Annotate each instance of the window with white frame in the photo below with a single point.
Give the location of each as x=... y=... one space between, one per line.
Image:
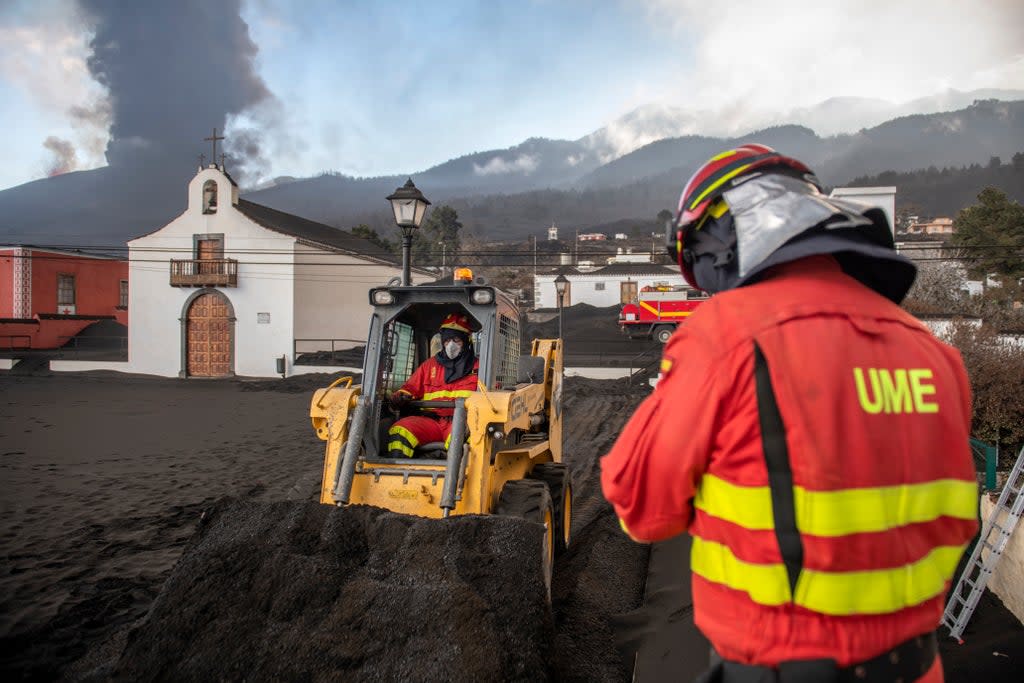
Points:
x=122 y=300
x=598 y=286
x=65 y=290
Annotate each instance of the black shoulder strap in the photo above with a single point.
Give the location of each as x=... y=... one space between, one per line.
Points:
x=780 y=475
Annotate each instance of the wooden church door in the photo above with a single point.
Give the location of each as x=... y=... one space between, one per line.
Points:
x=208 y=334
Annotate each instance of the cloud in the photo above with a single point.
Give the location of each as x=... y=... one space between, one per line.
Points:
x=524 y=163
x=174 y=72
x=44 y=56
x=747 y=60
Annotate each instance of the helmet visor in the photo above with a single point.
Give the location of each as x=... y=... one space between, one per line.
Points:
x=769 y=210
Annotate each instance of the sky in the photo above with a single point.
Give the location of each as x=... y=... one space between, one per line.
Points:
x=379 y=88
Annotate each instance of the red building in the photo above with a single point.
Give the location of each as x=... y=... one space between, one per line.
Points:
x=48 y=296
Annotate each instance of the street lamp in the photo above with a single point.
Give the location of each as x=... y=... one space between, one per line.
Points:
x=561 y=282
x=409 y=205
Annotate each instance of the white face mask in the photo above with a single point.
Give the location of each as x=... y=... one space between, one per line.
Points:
x=452 y=348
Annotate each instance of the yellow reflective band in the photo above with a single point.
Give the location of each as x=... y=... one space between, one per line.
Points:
x=664 y=314
x=718 y=209
x=396 y=445
x=718 y=183
x=879 y=591
x=766 y=584
x=446 y=395
x=666 y=365
x=401 y=447
x=625 y=530
x=843 y=512
x=727 y=153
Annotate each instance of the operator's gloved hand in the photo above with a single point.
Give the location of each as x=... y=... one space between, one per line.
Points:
x=398 y=400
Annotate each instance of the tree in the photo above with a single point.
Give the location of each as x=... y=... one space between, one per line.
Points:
x=936 y=288
x=664 y=216
x=996 y=372
x=365 y=232
x=991 y=236
x=438 y=237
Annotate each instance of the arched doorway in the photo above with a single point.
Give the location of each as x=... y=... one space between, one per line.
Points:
x=209 y=338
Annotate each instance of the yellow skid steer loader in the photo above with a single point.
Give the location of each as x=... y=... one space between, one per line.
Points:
x=505 y=452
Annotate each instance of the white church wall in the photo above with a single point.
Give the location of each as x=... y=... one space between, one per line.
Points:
x=332 y=296
x=264 y=286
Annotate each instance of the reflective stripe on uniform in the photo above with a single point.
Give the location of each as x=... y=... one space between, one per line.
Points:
x=402 y=440
x=843 y=512
x=446 y=395
x=877 y=591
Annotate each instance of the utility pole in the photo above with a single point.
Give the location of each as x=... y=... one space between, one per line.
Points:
x=534 y=255
x=576 y=248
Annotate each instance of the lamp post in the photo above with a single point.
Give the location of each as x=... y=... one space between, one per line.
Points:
x=561 y=282
x=408 y=205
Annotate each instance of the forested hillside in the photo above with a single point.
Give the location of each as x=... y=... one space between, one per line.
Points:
x=935 y=192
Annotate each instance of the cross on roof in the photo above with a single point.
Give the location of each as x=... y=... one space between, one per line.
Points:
x=214 y=138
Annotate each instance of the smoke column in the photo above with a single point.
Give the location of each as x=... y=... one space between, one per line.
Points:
x=174 y=72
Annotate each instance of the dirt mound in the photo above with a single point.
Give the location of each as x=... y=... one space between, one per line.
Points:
x=104 y=332
x=581 y=322
x=297 y=384
x=349 y=357
x=296 y=591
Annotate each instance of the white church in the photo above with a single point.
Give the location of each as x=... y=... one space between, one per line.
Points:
x=231 y=287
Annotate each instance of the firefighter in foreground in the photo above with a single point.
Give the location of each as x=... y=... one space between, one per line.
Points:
x=809 y=434
x=449 y=374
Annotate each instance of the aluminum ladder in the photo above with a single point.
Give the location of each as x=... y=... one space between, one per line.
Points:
x=994 y=537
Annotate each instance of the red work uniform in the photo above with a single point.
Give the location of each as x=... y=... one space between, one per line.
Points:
x=876 y=415
x=427 y=384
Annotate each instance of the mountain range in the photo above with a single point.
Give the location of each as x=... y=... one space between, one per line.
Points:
x=634 y=167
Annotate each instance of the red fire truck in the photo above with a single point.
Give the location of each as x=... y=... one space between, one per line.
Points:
x=658 y=310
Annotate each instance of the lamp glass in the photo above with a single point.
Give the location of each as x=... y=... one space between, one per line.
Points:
x=405 y=211
x=420 y=209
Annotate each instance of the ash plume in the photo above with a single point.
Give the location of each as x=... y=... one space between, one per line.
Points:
x=174 y=72
x=65 y=159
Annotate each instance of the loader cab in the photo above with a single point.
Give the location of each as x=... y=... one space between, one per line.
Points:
x=404 y=333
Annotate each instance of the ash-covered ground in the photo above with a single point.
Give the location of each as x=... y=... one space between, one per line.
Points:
x=122 y=560
x=122 y=498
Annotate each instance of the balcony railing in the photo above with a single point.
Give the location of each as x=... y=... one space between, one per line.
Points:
x=220 y=272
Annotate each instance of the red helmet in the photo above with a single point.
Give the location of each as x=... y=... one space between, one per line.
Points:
x=457 y=322
x=708 y=184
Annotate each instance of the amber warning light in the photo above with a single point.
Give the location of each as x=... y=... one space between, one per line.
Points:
x=463 y=275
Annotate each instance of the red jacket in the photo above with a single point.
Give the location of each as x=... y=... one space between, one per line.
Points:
x=427 y=384
x=876 y=414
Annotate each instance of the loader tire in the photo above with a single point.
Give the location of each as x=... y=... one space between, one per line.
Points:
x=529 y=499
x=664 y=333
x=559 y=483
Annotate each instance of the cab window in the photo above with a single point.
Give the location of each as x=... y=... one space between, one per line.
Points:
x=400 y=355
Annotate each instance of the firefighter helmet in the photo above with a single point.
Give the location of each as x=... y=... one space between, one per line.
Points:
x=751 y=208
x=457 y=322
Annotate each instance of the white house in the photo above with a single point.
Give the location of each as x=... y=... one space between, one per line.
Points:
x=608 y=286
x=229 y=287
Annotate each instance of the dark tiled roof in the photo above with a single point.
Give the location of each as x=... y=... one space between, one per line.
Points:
x=637 y=269
x=311 y=232
x=617 y=269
